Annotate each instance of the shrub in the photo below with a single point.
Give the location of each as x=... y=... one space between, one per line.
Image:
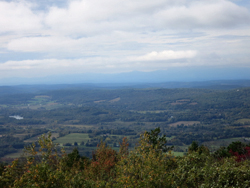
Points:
x=146 y=166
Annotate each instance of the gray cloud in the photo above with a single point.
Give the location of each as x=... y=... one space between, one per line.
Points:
x=121 y=36
x=208 y=14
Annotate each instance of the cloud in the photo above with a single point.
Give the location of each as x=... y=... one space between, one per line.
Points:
x=149 y=62
x=18 y=17
x=41 y=44
x=88 y=18
x=59 y=65
x=85 y=18
x=209 y=14
x=117 y=36
x=166 y=55
x=92 y=17
x=43 y=67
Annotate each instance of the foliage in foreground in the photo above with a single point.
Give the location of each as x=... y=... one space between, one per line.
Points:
x=150 y=164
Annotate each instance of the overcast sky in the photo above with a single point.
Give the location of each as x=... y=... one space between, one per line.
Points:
x=46 y=37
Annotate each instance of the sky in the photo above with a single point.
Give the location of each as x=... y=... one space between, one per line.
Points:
x=44 y=38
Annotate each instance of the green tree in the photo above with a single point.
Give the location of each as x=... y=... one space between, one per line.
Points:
x=157 y=141
x=44 y=169
x=74 y=158
x=237 y=147
x=2 y=166
x=146 y=166
x=193 y=147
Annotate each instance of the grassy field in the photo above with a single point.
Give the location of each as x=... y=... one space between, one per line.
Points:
x=35 y=138
x=15 y=155
x=185 y=123
x=21 y=136
x=215 y=144
x=177 y=154
x=170 y=138
x=121 y=136
x=150 y=111
x=73 y=137
x=115 y=100
x=243 y=121
x=147 y=126
x=78 y=126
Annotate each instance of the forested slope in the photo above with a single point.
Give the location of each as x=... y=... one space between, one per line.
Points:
x=150 y=164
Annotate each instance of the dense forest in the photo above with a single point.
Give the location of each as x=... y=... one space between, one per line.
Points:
x=110 y=136
x=150 y=164
x=212 y=117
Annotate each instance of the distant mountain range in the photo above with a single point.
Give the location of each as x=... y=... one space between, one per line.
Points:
x=219 y=84
x=172 y=75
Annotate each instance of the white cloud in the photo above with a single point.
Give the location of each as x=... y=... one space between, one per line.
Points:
x=44 y=65
x=111 y=36
x=95 y=16
x=91 y=17
x=40 y=44
x=149 y=62
x=18 y=17
x=166 y=55
x=209 y=14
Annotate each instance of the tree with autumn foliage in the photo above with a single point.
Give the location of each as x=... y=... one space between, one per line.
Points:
x=150 y=164
x=49 y=167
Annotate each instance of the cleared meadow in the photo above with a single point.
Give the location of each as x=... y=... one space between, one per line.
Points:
x=35 y=138
x=73 y=137
x=215 y=144
x=244 y=121
x=185 y=123
x=15 y=155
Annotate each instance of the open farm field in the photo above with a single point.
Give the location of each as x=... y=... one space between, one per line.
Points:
x=115 y=100
x=73 y=137
x=56 y=135
x=15 y=155
x=133 y=124
x=37 y=106
x=215 y=144
x=177 y=154
x=243 y=121
x=48 y=106
x=116 y=136
x=92 y=115
x=35 y=138
x=120 y=136
x=185 y=123
x=170 y=138
x=78 y=126
x=151 y=111
x=21 y=136
x=42 y=97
